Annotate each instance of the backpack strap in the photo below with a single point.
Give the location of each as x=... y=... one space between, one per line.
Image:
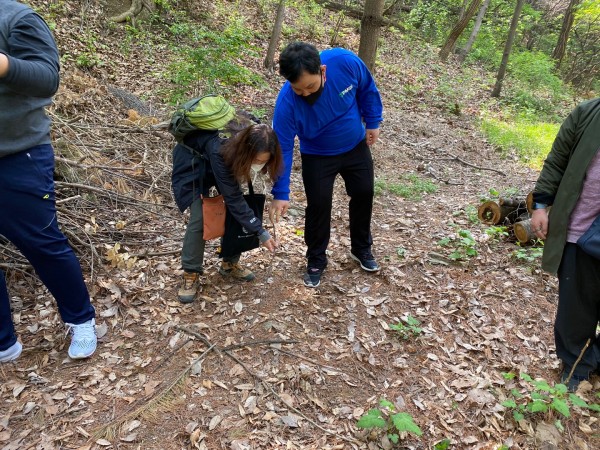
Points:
x=205 y=135
x=193 y=151
x=201 y=153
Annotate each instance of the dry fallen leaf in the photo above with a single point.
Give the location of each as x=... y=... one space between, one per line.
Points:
x=131 y=437
x=18 y=389
x=214 y=422
x=5 y=435
x=290 y=421
x=130 y=426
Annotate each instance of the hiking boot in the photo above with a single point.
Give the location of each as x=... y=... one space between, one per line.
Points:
x=312 y=277
x=235 y=270
x=574 y=381
x=83 y=339
x=367 y=261
x=11 y=353
x=189 y=287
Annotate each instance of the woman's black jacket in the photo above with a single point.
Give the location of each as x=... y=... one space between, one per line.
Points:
x=197 y=166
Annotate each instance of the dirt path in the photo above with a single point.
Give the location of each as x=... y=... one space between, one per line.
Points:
x=478 y=319
x=292 y=367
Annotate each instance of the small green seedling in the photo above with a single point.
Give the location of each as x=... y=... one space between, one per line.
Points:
x=407 y=328
x=463 y=245
x=444 y=444
x=389 y=420
x=543 y=399
x=497 y=232
x=529 y=254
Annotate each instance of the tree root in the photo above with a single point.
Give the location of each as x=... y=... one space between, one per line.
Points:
x=134 y=11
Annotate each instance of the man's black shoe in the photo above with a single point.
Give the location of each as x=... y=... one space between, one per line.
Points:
x=312 y=277
x=367 y=262
x=574 y=381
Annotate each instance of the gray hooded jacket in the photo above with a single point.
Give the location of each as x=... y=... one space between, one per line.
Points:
x=31 y=81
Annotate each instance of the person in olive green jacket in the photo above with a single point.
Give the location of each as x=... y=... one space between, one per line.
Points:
x=570 y=183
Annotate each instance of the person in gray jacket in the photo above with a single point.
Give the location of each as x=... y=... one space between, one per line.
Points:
x=29 y=77
x=570 y=183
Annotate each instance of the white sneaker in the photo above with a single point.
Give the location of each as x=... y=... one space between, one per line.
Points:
x=84 y=339
x=11 y=353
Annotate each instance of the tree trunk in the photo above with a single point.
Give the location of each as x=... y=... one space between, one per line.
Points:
x=529 y=202
x=506 y=211
x=130 y=14
x=358 y=13
x=370 y=27
x=516 y=202
x=476 y=27
x=508 y=48
x=135 y=9
x=269 y=59
x=461 y=15
x=524 y=232
x=561 y=46
x=463 y=10
x=491 y=213
x=458 y=29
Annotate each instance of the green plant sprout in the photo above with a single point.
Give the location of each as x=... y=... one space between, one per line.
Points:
x=494 y=194
x=497 y=232
x=463 y=245
x=471 y=213
x=407 y=328
x=529 y=254
x=444 y=444
x=543 y=399
x=386 y=418
x=410 y=186
x=90 y=58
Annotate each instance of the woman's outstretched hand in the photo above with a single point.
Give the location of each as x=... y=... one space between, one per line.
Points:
x=271 y=245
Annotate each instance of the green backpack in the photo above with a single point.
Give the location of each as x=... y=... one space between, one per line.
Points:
x=209 y=112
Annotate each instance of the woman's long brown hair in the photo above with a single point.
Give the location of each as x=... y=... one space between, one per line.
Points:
x=240 y=151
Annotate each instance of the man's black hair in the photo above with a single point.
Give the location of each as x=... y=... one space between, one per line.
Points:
x=297 y=58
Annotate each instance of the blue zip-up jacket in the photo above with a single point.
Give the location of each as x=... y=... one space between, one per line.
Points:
x=334 y=123
x=31 y=81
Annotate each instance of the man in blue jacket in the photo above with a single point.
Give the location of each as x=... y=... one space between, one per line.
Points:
x=330 y=102
x=29 y=66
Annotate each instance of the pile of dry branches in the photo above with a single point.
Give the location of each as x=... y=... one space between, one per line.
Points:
x=112 y=177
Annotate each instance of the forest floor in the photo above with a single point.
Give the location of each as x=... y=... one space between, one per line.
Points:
x=273 y=364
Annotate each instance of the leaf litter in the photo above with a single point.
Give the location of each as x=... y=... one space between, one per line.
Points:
x=272 y=364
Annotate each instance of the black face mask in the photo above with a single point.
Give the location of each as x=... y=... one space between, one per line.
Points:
x=312 y=98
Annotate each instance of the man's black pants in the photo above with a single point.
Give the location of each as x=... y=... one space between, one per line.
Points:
x=318 y=175
x=578 y=310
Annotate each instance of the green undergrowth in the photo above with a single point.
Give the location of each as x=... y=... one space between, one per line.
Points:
x=410 y=186
x=211 y=59
x=206 y=55
x=536 y=399
x=530 y=141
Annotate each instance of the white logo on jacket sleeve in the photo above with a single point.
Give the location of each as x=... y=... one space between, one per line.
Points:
x=345 y=91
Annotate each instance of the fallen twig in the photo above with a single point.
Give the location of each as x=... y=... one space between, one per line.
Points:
x=156 y=401
x=578 y=359
x=474 y=166
x=265 y=383
x=285 y=352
